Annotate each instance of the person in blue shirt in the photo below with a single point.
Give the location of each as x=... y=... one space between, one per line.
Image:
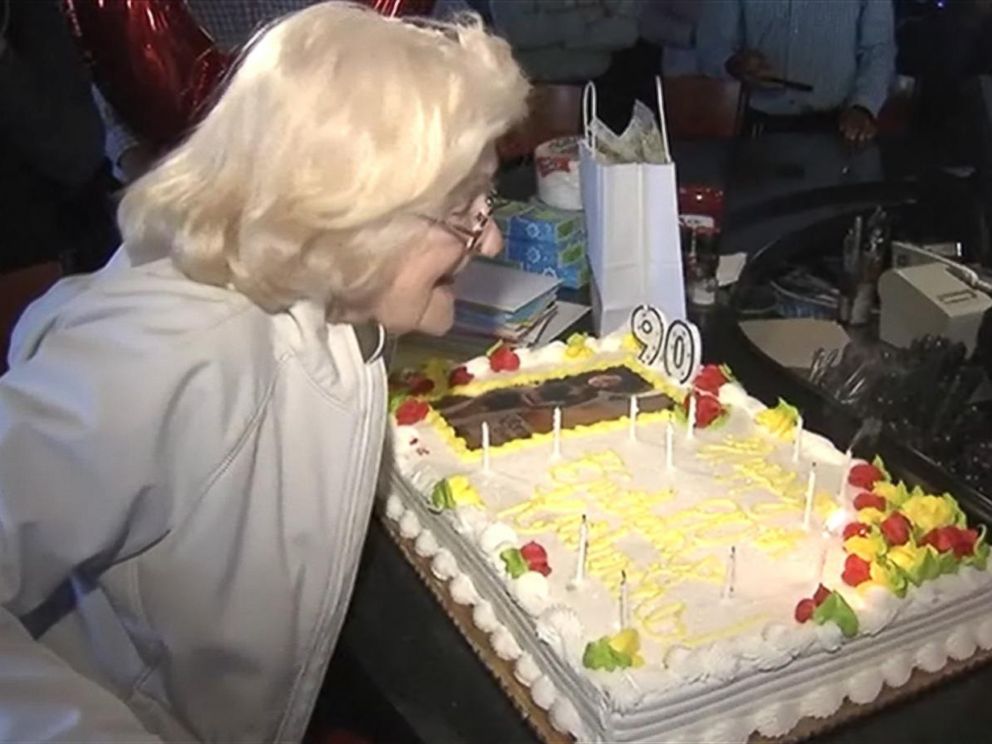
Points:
x=844 y=49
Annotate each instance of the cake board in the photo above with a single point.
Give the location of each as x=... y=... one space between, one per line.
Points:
x=537 y=719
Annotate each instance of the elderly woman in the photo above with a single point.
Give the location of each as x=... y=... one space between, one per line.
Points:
x=189 y=440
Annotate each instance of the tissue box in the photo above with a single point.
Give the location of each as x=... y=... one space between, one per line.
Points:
x=538 y=223
x=565 y=261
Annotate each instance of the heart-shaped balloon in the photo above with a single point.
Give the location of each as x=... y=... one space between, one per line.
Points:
x=156 y=64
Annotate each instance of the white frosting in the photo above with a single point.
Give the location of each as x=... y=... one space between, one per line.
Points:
x=444 y=565
x=546 y=626
x=394 y=507
x=543 y=692
x=566 y=719
x=865 y=685
x=505 y=645
x=426 y=545
x=559 y=627
x=497 y=537
x=463 y=590
x=532 y=592
x=526 y=670
x=484 y=617
x=409 y=525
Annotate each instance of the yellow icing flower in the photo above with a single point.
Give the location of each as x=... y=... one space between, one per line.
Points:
x=888 y=576
x=630 y=343
x=895 y=493
x=779 y=421
x=918 y=563
x=463 y=492
x=871 y=515
x=437 y=370
x=866 y=548
x=576 y=347
x=628 y=642
x=929 y=512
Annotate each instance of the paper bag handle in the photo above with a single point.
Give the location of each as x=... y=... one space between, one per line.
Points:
x=589 y=114
x=661 y=118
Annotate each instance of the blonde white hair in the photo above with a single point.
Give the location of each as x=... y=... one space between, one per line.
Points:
x=338 y=126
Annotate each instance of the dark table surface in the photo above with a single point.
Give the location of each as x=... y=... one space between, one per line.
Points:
x=406 y=649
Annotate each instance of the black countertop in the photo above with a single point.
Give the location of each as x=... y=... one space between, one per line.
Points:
x=410 y=653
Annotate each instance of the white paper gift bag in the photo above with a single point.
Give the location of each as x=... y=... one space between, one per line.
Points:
x=630 y=201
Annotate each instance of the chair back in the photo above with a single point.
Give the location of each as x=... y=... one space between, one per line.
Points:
x=18 y=289
x=698 y=107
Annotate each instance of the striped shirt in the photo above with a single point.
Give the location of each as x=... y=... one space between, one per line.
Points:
x=845 y=49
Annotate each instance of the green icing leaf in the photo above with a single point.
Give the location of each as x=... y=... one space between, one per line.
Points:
x=514 y=561
x=789 y=410
x=396 y=398
x=728 y=372
x=600 y=655
x=948 y=563
x=441 y=496
x=892 y=577
x=835 y=609
x=960 y=520
x=930 y=567
x=880 y=464
x=980 y=557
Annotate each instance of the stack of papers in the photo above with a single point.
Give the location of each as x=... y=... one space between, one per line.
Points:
x=503 y=302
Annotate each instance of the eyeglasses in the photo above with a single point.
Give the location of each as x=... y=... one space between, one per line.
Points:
x=480 y=221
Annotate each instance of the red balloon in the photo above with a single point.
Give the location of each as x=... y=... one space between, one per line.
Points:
x=157 y=66
x=153 y=62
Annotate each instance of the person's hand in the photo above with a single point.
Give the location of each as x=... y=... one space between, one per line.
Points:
x=857 y=125
x=750 y=66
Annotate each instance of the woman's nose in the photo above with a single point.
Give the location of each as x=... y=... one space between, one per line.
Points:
x=492 y=241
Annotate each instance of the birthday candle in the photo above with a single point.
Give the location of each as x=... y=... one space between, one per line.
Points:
x=798 y=441
x=485 y=447
x=633 y=417
x=730 y=577
x=624 y=619
x=556 y=436
x=669 y=453
x=810 y=490
x=692 y=417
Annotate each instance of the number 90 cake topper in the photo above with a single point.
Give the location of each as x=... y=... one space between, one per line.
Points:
x=677 y=344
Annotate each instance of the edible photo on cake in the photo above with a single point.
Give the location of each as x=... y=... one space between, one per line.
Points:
x=518 y=412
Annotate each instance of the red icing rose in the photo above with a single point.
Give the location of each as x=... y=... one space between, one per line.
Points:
x=896 y=529
x=708 y=409
x=411 y=411
x=868 y=500
x=710 y=379
x=944 y=539
x=821 y=595
x=804 y=610
x=864 y=476
x=536 y=558
x=460 y=376
x=418 y=384
x=856 y=570
x=855 y=529
x=504 y=359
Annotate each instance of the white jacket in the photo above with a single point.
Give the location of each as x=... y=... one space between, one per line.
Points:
x=185 y=486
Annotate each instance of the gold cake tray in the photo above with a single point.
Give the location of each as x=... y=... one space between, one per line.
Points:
x=537 y=718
